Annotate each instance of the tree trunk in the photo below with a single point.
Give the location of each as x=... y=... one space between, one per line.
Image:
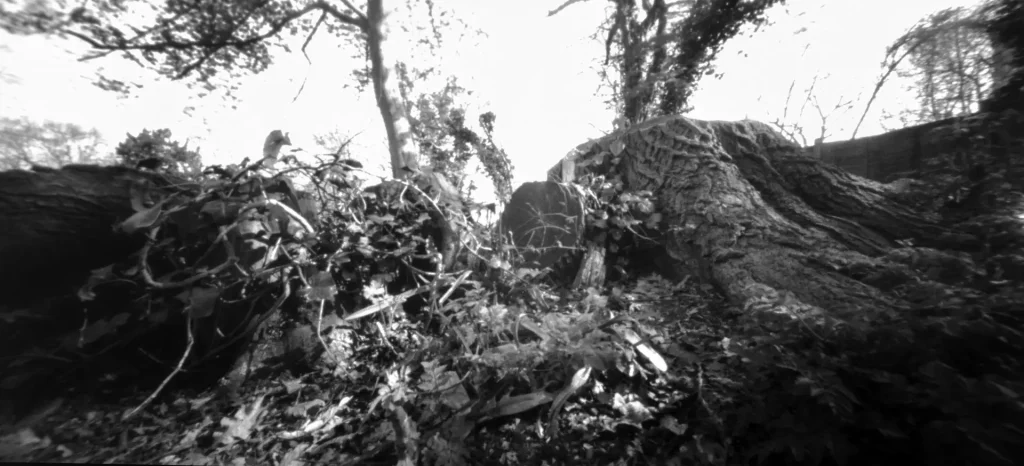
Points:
x=401 y=143
x=60 y=224
x=747 y=212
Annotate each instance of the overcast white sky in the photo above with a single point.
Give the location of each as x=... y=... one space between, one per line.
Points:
x=536 y=73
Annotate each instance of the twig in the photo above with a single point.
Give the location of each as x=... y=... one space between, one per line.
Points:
x=356 y=11
x=562 y=7
x=177 y=369
x=309 y=62
x=288 y=210
x=147 y=275
x=319 y=336
x=391 y=301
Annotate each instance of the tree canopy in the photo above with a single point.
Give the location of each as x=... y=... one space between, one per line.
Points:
x=951 y=63
x=659 y=50
x=24 y=143
x=156 y=150
x=202 y=41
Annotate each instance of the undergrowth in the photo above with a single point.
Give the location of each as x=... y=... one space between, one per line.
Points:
x=368 y=349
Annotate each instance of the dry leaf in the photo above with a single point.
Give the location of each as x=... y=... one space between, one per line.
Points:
x=241 y=426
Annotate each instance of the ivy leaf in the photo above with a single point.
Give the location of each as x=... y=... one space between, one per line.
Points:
x=102 y=328
x=221 y=212
x=138 y=192
x=616 y=146
x=201 y=301
x=322 y=287
x=142 y=219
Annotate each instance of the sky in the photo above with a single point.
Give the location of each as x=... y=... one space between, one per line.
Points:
x=536 y=73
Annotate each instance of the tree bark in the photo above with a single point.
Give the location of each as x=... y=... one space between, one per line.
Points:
x=60 y=224
x=747 y=212
x=401 y=143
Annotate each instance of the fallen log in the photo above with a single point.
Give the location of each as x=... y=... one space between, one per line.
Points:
x=60 y=224
x=109 y=269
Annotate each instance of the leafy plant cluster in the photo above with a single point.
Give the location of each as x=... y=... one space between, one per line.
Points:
x=445 y=139
x=661 y=49
x=488 y=352
x=977 y=164
x=210 y=263
x=986 y=140
x=626 y=222
x=155 y=150
x=387 y=239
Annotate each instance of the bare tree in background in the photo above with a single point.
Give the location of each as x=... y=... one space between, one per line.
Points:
x=792 y=126
x=952 y=70
x=950 y=58
x=337 y=142
x=24 y=143
x=210 y=42
x=656 y=51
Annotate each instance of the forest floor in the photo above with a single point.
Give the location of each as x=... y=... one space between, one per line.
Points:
x=732 y=389
x=309 y=416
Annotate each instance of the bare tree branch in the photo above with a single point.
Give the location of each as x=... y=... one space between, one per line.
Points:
x=878 y=86
x=212 y=46
x=309 y=62
x=356 y=11
x=563 y=6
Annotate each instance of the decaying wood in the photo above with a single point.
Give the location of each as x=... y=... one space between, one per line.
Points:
x=746 y=211
x=62 y=224
x=592 y=269
x=59 y=224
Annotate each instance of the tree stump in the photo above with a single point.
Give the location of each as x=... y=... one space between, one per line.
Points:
x=544 y=220
x=745 y=210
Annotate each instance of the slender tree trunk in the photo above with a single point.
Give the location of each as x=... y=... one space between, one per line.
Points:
x=401 y=142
